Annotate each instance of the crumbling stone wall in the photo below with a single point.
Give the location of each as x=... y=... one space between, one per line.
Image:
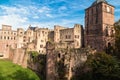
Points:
x=20 y=57
x=50 y=61
x=73 y=58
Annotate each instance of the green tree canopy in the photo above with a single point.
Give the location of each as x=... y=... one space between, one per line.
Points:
x=104 y=67
x=117 y=38
x=100 y=66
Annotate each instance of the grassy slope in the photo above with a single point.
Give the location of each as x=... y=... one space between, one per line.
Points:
x=10 y=71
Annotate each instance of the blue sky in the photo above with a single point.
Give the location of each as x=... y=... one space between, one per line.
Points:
x=46 y=13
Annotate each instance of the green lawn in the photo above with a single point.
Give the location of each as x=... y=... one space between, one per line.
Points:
x=10 y=71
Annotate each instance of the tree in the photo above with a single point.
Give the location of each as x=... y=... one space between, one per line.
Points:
x=104 y=67
x=39 y=61
x=100 y=66
x=61 y=69
x=117 y=39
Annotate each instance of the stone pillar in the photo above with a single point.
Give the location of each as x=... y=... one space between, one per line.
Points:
x=50 y=62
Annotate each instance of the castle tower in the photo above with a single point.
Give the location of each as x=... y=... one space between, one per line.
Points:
x=20 y=35
x=42 y=38
x=99 y=20
x=57 y=29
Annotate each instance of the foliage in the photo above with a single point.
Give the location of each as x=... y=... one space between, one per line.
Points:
x=42 y=66
x=100 y=66
x=10 y=71
x=61 y=70
x=38 y=61
x=33 y=55
x=117 y=39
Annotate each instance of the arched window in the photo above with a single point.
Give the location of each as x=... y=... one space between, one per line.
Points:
x=109 y=44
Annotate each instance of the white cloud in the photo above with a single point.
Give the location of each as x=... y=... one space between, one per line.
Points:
x=36 y=17
x=62 y=8
x=117 y=10
x=114 y=2
x=44 y=9
x=14 y=10
x=18 y=16
x=49 y=15
x=14 y=16
x=21 y=15
x=14 y=20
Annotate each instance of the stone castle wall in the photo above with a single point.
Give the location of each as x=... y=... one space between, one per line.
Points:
x=73 y=58
x=20 y=57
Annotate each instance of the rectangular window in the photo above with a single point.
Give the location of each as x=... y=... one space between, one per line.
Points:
x=8 y=37
x=69 y=37
x=42 y=32
x=41 y=46
x=14 y=38
x=14 y=33
x=66 y=36
x=4 y=37
x=42 y=40
x=23 y=40
x=76 y=36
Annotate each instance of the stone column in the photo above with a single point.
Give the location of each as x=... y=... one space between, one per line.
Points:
x=50 y=62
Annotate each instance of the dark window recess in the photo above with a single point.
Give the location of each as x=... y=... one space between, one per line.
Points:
x=7 y=45
x=24 y=37
x=68 y=36
x=106 y=31
x=96 y=14
x=41 y=46
x=59 y=55
x=8 y=38
x=76 y=36
x=23 y=40
x=43 y=32
x=4 y=37
x=1 y=55
x=42 y=40
x=14 y=38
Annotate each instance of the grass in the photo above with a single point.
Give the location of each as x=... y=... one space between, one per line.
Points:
x=10 y=71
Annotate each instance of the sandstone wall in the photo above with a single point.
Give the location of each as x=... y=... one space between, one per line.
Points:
x=20 y=57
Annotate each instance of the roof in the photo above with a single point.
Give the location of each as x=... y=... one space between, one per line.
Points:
x=32 y=28
x=99 y=1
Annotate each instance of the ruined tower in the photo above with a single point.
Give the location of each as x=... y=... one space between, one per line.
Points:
x=99 y=20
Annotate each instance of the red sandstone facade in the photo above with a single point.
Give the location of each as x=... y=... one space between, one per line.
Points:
x=7 y=40
x=99 y=20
